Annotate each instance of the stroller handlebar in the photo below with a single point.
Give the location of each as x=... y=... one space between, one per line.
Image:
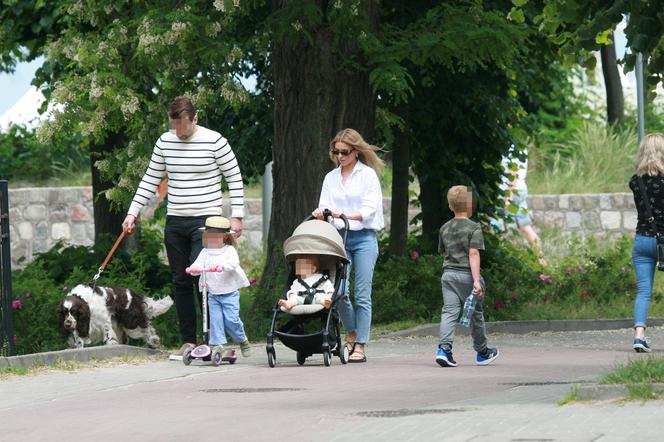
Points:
x=327 y=214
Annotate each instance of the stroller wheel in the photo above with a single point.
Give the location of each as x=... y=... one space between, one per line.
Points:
x=327 y=356
x=271 y=358
x=301 y=358
x=343 y=354
x=186 y=356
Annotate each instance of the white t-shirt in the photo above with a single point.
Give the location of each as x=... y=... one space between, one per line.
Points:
x=360 y=193
x=518 y=176
x=231 y=278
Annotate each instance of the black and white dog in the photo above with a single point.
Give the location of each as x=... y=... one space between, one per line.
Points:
x=109 y=315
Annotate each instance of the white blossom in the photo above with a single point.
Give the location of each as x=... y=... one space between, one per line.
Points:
x=214 y=29
x=219 y=5
x=129 y=105
x=297 y=25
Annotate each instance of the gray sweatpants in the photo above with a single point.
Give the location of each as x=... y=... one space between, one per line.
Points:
x=457 y=286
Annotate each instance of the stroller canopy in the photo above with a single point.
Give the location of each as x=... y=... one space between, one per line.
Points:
x=315 y=237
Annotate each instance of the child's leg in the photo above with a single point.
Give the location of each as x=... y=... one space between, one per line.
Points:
x=231 y=311
x=454 y=284
x=478 y=332
x=217 y=335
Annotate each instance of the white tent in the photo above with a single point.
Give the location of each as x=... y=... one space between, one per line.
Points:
x=25 y=112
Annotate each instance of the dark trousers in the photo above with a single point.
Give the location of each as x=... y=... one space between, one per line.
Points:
x=184 y=242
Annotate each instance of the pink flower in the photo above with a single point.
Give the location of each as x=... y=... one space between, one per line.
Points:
x=545 y=278
x=584 y=293
x=579 y=269
x=27 y=294
x=65 y=289
x=14 y=339
x=253 y=281
x=569 y=270
x=499 y=304
x=545 y=298
x=414 y=254
x=17 y=304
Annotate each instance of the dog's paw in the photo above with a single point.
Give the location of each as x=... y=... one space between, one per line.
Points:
x=154 y=342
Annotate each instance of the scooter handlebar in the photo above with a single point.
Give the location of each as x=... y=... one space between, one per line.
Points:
x=190 y=271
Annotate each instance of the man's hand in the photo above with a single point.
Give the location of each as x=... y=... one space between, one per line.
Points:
x=236 y=226
x=128 y=224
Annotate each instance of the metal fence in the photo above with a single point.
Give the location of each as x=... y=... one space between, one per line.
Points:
x=7 y=346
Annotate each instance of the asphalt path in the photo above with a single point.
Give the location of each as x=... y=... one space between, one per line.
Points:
x=399 y=394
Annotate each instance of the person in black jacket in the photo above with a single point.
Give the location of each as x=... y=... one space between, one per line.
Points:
x=650 y=168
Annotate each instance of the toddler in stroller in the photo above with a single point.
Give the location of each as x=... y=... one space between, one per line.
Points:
x=319 y=243
x=310 y=287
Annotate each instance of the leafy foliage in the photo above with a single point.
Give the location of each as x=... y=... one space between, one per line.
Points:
x=24 y=157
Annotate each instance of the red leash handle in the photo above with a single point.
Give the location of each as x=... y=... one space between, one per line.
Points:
x=109 y=256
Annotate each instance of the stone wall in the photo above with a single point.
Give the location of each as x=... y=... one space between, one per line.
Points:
x=41 y=216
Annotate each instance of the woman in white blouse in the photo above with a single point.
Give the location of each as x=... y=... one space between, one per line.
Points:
x=353 y=189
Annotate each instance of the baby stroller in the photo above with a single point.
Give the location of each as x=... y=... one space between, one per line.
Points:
x=320 y=238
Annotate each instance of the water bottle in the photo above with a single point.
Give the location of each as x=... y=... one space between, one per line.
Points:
x=468 y=309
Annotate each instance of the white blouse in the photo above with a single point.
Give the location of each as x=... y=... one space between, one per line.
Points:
x=231 y=278
x=360 y=193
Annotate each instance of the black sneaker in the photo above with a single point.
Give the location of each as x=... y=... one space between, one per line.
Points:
x=444 y=358
x=641 y=346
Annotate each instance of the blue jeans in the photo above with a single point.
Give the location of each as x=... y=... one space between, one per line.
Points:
x=644 y=259
x=362 y=251
x=225 y=318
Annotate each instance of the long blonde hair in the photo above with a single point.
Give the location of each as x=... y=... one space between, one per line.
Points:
x=650 y=158
x=365 y=151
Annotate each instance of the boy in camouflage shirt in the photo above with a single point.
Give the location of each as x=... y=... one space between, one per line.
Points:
x=460 y=241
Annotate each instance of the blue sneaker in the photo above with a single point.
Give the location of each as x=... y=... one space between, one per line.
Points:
x=444 y=358
x=488 y=356
x=641 y=346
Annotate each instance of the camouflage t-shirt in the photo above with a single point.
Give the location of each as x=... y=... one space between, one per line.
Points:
x=456 y=238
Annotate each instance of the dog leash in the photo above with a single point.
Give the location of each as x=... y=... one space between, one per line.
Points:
x=108 y=258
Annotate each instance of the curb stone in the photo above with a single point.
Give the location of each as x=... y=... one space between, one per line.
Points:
x=76 y=354
x=523 y=327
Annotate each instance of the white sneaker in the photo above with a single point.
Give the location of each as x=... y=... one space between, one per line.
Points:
x=177 y=356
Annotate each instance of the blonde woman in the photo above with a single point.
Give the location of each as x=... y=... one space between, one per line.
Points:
x=353 y=189
x=650 y=169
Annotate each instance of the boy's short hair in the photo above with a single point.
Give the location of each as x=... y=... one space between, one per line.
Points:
x=460 y=198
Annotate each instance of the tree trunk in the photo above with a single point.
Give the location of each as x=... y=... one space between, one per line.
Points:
x=108 y=222
x=400 y=181
x=313 y=100
x=615 y=105
x=433 y=210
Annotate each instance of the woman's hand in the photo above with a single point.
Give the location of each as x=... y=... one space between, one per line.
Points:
x=336 y=213
x=317 y=213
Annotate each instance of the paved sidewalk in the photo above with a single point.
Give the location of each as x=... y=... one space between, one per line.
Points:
x=399 y=394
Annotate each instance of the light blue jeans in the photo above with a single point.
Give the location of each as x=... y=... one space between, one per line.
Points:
x=644 y=259
x=362 y=251
x=225 y=318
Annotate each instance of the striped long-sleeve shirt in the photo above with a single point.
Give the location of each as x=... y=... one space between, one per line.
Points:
x=195 y=167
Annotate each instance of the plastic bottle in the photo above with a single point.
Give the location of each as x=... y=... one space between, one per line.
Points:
x=468 y=309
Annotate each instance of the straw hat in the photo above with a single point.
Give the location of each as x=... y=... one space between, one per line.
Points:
x=217 y=224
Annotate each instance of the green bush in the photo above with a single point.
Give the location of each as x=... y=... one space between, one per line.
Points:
x=596 y=280
x=20 y=149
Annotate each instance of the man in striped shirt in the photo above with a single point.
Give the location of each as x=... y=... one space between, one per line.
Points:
x=195 y=159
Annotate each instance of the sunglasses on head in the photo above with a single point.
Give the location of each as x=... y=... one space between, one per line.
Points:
x=343 y=152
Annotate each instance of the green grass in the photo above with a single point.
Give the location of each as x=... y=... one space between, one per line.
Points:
x=595 y=159
x=637 y=371
x=572 y=396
